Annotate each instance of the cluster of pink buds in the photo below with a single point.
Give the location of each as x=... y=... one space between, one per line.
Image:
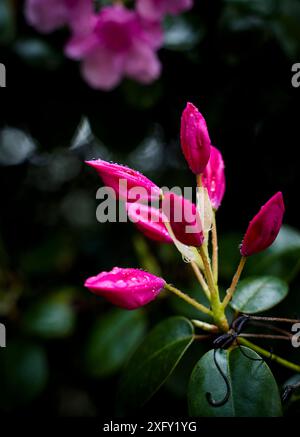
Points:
x=175 y=219
x=113 y=41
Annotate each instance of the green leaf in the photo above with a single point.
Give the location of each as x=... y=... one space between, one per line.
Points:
x=257 y=294
x=294 y=380
x=153 y=362
x=51 y=317
x=112 y=340
x=177 y=383
x=253 y=393
x=24 y=372
x=292 y=404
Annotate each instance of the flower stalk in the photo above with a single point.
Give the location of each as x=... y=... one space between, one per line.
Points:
x=270 y=355
x=189 y=299
x=201 y=279
x=234 y=283
x=215 y=248
x=216 y=305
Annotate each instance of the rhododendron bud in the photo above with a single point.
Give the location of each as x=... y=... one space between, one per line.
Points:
x=195 y=141
x=184 y=219
x=126 y=288
x=157 y=9
x=213 y=177
x=150 y=221
x=264 y=227
x=128 y=184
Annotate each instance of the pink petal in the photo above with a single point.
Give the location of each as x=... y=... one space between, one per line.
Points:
x=150 y=221
x=46 y=16
x=103 y=70
x=81 y=16
x=79 y=46
x=153 y=33
x=142 y=64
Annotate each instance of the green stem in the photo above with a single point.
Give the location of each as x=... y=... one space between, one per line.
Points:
x=189 y=299
x=208 y=272
x=217 y=308
x=205 y=326
x=269 y=355
x=214 y=239
x=201 y=280
x=234 y=282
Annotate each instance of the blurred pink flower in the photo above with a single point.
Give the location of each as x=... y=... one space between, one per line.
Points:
x=126 y=288
x=49 y=15
x=156 y=9
x=120 y=44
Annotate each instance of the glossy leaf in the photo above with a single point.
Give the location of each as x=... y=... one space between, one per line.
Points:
x=292 y=403
x=153 y=362
x=112 y=340
x=24 y=372
x=254 y=392
x=257 y=294
x=177 y=383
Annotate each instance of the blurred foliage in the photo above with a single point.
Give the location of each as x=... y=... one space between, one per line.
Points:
x=66 y=347
x=153 y=361
x=24 y=373
x=112 y=340
x=7 y=22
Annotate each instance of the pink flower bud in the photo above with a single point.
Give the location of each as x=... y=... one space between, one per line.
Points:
x=150 y=221
x=184 y=219
x=126 y=288
x=129 y=185
x=195 y=141
x=213 y=177
x=264 y=227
